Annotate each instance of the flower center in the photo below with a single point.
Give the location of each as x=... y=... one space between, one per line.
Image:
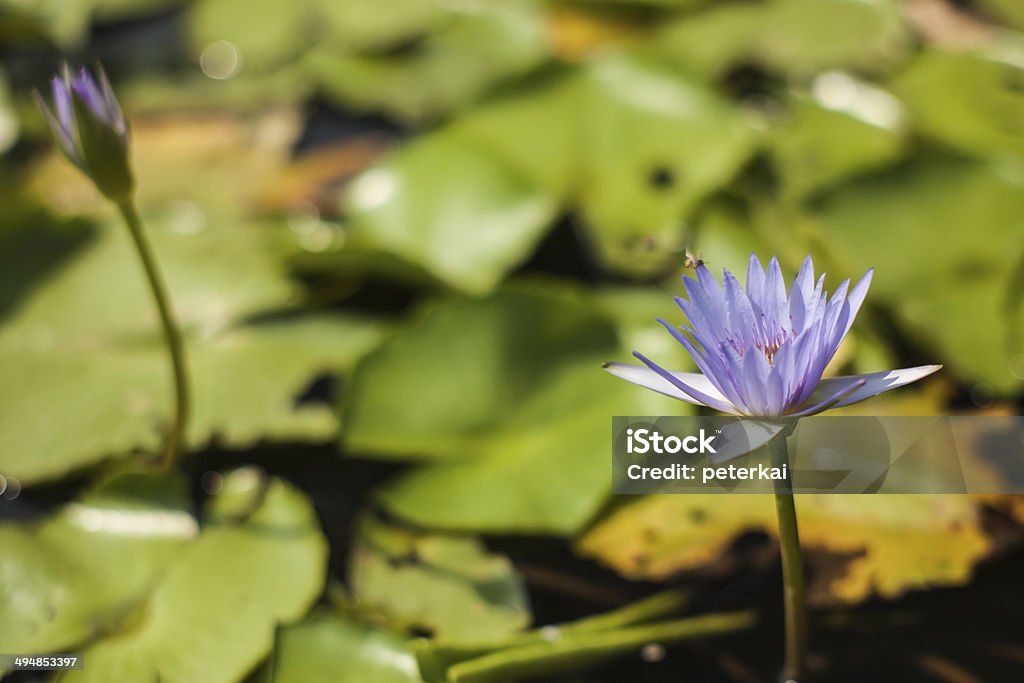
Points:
x=769 y=350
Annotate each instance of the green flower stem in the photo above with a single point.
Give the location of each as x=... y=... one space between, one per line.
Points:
x=435 y=659
x=792 y=568
x=582 y=649
x=171 y=332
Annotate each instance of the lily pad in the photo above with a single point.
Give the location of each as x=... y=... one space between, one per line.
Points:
x=789 y=35
x=886 y=544
x=80 y=572
x=442 y=70
x=844 y=128
x=447 y=585
x=971 y=101
x=212 y=616
x=961 y=221
x=333 y=649
x=508 y=396
x=451 y=208
x=654 y=143
x=90 y=323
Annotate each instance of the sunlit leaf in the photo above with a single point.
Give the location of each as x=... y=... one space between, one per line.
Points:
x=82 y=571
x=971 y=101
x=792 y=35
x=447 y=585
x=451 y=208
x=844 y=128
x=944 y=237
x=653 y=144
x=212 y=616
x=91 y=326
x=869 y=544
x=442 y=70
x=507 y=394
x=332 y=649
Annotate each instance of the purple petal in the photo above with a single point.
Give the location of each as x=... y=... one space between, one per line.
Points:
x=740 y=437
x=697 y=396
x=800 y=294
x=852 y=307
x=86 y=89
x=874 y=383
x=649 y=379
x=62 y=104
x=755 y=280
x=739 y=313
x=63 y=138
x=755 y=380
x=774 y=305
x=832 y=401
x=712 y=366
x=112 y=105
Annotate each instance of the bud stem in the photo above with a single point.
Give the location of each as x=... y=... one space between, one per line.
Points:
x=792 y=568
x=169 y=327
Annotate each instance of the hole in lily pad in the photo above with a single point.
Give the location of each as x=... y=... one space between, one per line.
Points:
x=662 y=178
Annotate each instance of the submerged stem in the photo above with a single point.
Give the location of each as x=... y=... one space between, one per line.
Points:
x=169 y=327
x=792 y=569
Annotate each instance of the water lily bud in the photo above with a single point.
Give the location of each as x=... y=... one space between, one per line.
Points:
x=90 y=128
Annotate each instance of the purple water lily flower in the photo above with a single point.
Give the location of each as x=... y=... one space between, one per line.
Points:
x=90 y=128
x=761 y=350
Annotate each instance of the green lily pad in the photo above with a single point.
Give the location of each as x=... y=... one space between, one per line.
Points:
x=264 y=33
x=443 y=70
x=451 y=208
x=332 y=649
x=791 y=35
x=212 y=616
x=80 y=572
x=67 y=22
x=448 y=585
x=844 y=128
x=89 y=324
x=970 y=101
x=654 y=143
x=508 y=397
x=944 y=237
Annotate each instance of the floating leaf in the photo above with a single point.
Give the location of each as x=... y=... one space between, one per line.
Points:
x=654 y=143
x=212 y=616
x=887 y=544
x=448 y=585
x=91 y=326
x=845 y=128
x=951 y=234
x=331 y=649
x=80 y=572
x=968 y=100
x=791 y=35
x=450 y=66
x=451 y=208
x=500 y=391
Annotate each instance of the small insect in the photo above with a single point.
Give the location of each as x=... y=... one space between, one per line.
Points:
x=692 y=262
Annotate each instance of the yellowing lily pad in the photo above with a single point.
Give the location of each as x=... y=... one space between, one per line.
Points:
x=886 y=544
